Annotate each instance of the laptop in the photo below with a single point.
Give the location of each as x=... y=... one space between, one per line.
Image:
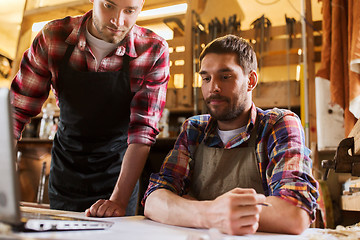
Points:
x=10 y=212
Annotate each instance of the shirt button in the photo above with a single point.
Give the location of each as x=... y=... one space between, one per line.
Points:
x=121 y=50
x=82 y=45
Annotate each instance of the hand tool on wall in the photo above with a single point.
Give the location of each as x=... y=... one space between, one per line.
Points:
x=210 y=36
x=198 y=30
x=42 y=179
x=290 y=32
x=176 y=25
x=223 y=27
x=217 y=27
x=230 y=27
x=262 y=36
x=233 y=25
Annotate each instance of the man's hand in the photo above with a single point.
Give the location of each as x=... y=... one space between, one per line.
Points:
x=131 y=168
x=235 y=212
x=105 y=208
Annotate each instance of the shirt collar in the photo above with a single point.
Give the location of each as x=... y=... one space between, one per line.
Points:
x=129 y=42
x=78 y=36
x=212 y=139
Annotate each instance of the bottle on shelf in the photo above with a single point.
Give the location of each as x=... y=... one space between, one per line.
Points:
x=47 y=122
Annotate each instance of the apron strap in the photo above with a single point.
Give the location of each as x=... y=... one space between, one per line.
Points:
x=67 y=55
x=254 y=133
x=126 y=65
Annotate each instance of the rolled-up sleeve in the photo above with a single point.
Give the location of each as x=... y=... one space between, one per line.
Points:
x=150 y=96
x=289 y=171
x=175 y=171
x=31 y=85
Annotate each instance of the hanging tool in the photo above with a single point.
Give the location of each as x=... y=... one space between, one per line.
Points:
x=42 y=179
x=230 y=27
x=262 y=36
x=223 y=27
x=198 y=29
x=290 y=28
x=290 y=32
x=233 y=25
x=217 y=27
x=176 y=25
x=211 y=31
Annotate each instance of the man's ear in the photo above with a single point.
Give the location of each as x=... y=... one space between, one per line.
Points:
x=253 y=80
x=92 y=1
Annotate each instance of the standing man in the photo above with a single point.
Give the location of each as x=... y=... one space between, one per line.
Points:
x=225 y=164
x=109 y=77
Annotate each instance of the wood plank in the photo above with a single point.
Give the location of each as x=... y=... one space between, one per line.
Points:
x=57 y=11
x=186 y=96
x=151 y=4
x=280 y=60
x=178 y=41
x=78 y=7
x=176 y=70
x=177 y=56
x=280 y=44
x=277 y=31
x=156 y=20
x=355 y=133
x=24 y=41
x=311 y=76
x=277 y=94
x=350 y=202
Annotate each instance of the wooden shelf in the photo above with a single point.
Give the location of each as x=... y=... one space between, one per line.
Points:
x=35 y=140
x=277 y=94
x=181 y=110
x=350 y=202
x=57 y=11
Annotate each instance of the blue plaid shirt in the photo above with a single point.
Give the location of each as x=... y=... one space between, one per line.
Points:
x=284 y=162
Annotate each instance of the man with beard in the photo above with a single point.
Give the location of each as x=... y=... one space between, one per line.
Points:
x=227 y=164
x=109 y=77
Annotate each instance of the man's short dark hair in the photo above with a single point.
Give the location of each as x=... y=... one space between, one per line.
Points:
x=233 y=44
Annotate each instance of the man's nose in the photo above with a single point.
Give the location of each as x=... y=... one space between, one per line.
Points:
x=214 y=86
x=118 y=19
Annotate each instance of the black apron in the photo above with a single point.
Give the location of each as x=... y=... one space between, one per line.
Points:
x=91 y=139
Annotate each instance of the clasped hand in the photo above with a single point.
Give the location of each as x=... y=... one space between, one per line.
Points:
x=236 y=212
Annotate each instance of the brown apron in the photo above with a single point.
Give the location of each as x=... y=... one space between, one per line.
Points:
x=218 y=170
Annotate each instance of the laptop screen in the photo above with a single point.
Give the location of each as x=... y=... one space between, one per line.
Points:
x=9 y=186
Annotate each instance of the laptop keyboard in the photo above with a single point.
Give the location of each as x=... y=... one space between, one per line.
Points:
x=31 y=215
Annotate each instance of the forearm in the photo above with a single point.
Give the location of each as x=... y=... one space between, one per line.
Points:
x=289 y=159
x=165 y=206
x=283 y=217
x=235 y=212
x=132 y=166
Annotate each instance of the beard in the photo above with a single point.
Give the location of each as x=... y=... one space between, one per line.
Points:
x=230 y=112
x=105 y=34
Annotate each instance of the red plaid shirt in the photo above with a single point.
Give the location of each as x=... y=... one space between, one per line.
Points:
x=39 y=70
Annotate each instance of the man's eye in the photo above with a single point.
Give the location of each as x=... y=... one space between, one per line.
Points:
x=226 y=77
x=107 y=5
x=206 y=79
x=129 y=11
